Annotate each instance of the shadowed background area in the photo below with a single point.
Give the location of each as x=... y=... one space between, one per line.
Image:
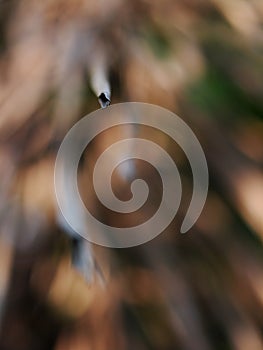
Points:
x=203 y=61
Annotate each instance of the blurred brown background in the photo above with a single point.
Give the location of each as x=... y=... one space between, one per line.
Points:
x=203 y=61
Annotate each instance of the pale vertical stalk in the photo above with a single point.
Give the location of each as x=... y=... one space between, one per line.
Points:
x=98 y=67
